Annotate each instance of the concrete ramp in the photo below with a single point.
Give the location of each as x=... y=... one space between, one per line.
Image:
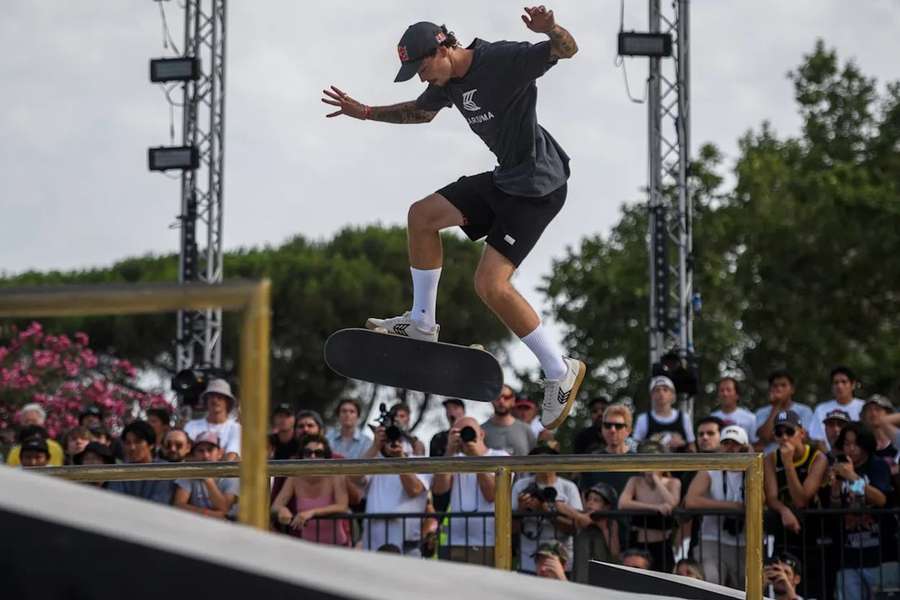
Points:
x=67 y=540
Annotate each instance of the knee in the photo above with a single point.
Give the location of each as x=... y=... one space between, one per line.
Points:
x=489 y=287
x=421 y=215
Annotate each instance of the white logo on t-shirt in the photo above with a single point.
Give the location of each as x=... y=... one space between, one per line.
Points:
x=468 y=102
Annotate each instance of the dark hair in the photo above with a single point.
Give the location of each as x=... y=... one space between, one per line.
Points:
x=317 y=438
x=780 y=374
x=160 y=413
x=389 y=549
x=142 y=430
x=598 y=400
x=355 y=403
x=711 y=419
x=737 y=385
x=311 y=414
x=841 y=369
x=31 y=431
x=450 y=41
x=639 y=553
x=865 y=439
x=400 y=406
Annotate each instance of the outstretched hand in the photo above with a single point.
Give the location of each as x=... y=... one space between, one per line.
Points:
x=539 y=19
x=347 y=105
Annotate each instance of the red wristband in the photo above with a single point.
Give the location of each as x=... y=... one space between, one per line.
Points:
x=367 y=112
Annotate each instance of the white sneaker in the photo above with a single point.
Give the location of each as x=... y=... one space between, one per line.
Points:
x=404 y=326
x=559 y=394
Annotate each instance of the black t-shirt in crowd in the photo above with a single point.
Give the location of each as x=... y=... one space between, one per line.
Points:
x=498 y=97
x=284 y=451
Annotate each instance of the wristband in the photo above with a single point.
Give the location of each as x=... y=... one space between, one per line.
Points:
x=367 y=112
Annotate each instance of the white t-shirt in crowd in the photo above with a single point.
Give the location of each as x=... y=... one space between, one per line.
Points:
x=803 y=411
x=385 y=494
x=731 y=490
x=536 y=426
x=540 y=529
x=742 y=417
x=466 y=496
x=817 y=426
x=229 y=433
x=641 y=425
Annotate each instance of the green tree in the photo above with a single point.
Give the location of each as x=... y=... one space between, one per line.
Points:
x=797 y=263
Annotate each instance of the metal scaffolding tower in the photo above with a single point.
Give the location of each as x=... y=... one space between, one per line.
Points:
x=199 y=333
x=669 y=204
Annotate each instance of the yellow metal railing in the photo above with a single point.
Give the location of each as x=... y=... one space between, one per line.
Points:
x=251 y=298
x=502 y=467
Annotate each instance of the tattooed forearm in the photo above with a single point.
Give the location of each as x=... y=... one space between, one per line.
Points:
x=562 y=44
x=403 y=113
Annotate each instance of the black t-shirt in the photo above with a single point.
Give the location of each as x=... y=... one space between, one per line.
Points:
x=284 y=451
x=587 y=440
x=438 y=445
x=498 y=97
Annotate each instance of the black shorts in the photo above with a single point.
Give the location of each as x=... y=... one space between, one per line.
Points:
x=512 y=224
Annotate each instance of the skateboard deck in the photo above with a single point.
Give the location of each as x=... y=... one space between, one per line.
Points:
x=402 y=362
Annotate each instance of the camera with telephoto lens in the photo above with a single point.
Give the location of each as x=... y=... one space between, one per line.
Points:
x=467 y=434
x=547 y=494
x=386 y=420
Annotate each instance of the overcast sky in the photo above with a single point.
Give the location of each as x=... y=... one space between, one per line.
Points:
x=78 y=113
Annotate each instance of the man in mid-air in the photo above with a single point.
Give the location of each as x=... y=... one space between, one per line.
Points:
x=493 y=85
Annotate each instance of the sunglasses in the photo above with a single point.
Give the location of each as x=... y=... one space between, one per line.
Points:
x=617 y=426
x=785 y=431
x=313 y=453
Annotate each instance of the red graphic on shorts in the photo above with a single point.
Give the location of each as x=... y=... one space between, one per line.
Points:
x=401 y=50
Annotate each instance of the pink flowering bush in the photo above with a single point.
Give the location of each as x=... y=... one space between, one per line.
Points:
x=64 y=376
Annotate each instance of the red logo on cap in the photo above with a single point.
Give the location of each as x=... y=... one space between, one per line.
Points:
x=401 y=50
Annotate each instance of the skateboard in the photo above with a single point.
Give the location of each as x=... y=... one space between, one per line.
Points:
x=431 y=367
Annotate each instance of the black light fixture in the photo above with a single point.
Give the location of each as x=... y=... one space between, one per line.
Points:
x=632 y=43
x=163 y=158
x=185 y=68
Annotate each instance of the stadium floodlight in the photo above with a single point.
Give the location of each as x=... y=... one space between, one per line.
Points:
x=632 y=43
x=164 y=158
x=186 y=68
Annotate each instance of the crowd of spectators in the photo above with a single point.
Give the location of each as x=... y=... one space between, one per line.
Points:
x=829 y=473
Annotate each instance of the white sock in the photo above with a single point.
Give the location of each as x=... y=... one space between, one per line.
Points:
x=548 y=351
x=425 y=287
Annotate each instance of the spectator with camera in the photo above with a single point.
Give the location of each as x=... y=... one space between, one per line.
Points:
x=781 y=399
x=793 y=475
x=869 y=548
x=729 y=395
x=782 y=574
x=542 y=494
x=665 y=424
x=454 y=408
x=312 y=496
x=722 y=538
x=403 y=493
x=348 y=439
x=843 y=385
x=211 y=497
x=503 y=431
x=657 y=492
x=470 y=540
x=401 y=417
x=220 y=402
x=597 y=536
x=32 y=418
x=138 y=438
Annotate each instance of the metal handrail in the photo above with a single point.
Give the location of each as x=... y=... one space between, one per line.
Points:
x=503 y=467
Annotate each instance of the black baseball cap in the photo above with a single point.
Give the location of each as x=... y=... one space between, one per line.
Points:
x=455 y=401
x=788 y=417
x=416 y=44
x=92 y=410
x=35 y=444
x=101 y=450
x=283 y=409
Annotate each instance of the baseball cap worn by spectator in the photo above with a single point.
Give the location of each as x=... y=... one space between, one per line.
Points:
x=661 y=380
x=35 y=444
x=101 y=450
x=526 y=401
x=283 y=409
x=789 y=417
x=455 y=401
x=735 y=433
x=837 y=415
x=880 y=401
x=207 y=437
x=607 y=492
x=418 y=41
x=552 y=548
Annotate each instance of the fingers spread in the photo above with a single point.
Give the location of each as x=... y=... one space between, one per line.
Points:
x=331 y=94
x=331 y=102
x=338 y=91
x=335 y=113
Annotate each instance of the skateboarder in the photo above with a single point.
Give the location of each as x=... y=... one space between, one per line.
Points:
x=493 y=85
